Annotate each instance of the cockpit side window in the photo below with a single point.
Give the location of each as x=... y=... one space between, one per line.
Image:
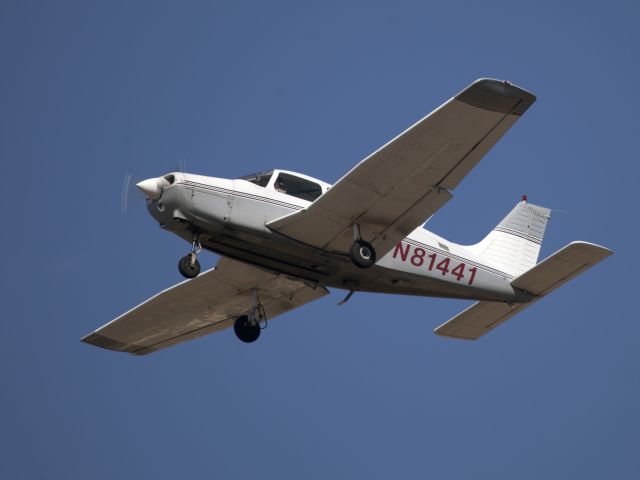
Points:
x=261 y=178
x=298 y=187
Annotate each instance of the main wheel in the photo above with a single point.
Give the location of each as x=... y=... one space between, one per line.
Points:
x=362 y=254
x=245 y=331
x=186 y=269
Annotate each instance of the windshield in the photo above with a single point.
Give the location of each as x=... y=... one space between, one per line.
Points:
x=260 y=178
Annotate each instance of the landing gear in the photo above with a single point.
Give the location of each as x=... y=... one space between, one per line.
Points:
x=245 y=330
x=247 y=327
x=189 y=265
x=362 y=253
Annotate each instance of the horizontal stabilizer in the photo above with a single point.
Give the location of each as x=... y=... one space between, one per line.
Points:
x=545 y=277
x=561 y=267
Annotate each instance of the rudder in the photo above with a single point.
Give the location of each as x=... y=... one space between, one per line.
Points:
x=514 y=244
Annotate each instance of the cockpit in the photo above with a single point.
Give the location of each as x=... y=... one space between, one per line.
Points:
x=289 y=183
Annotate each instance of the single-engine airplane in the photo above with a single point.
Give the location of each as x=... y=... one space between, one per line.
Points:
x=285 y=237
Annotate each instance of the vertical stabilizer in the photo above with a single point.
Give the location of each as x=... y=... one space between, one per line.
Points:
x=514 y=245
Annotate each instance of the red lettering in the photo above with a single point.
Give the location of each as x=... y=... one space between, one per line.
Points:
x=417 y=259
x=473 y=274
x=458 y=271
x=432 y=257
x=443 y=266
x=403 y=253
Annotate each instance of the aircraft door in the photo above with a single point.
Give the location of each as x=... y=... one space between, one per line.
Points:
x=247 y=211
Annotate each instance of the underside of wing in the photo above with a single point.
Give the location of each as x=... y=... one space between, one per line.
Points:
x=204 y=305
x=398 y=187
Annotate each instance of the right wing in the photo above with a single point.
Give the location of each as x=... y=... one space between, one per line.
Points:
x=398 y=187
x=545 y=277
x=208 y=303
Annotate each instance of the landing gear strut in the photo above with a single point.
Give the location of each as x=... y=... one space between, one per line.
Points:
x=362 y=253
x=189 y=265
x=247 y=327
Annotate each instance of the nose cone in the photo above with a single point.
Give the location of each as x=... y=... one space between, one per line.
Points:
x=151 y=187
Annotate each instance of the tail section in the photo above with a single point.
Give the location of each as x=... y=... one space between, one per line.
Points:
x=513 y=245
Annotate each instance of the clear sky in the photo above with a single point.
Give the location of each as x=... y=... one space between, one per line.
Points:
x=91 y=91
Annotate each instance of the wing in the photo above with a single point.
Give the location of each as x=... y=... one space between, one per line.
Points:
x=551 y=273
x=204 y=305
x=398 y=187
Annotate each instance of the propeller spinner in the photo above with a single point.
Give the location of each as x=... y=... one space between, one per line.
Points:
x=152 y=187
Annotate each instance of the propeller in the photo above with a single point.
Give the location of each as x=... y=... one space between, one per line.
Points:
x=136 y=190
x=130 y=194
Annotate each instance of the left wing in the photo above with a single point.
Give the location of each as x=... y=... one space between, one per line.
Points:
x=398 y=187
x=204 y=305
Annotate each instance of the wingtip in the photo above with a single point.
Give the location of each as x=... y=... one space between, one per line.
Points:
x=498 y=96
x=107 y=343
x=604 y=251
x=453 y=336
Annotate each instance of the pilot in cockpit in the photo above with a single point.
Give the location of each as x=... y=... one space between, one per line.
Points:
x=280 y=185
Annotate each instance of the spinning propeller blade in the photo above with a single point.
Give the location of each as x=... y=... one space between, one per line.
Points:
x=132 y=189
x=130 y=194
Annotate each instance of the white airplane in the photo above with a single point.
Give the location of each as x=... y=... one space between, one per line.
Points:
x=285 y=237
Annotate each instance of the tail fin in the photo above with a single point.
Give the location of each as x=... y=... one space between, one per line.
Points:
x=514 y=245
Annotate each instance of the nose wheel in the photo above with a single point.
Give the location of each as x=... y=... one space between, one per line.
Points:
x=189 y=266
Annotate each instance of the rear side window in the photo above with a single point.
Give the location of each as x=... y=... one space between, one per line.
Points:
x=261 y=179
x=297 y=187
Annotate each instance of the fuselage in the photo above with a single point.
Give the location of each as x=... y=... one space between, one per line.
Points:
x=230 y=217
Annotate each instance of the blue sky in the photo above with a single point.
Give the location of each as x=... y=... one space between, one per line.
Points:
x=92 y=91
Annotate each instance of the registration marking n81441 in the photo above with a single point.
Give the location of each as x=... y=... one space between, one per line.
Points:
x=417 y=257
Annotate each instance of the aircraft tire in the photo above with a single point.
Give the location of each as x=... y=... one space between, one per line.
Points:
x=362 y=254
x=187 y=271
x=244 y=331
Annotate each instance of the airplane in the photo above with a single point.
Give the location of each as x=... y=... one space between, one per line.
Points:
x=284 y=238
